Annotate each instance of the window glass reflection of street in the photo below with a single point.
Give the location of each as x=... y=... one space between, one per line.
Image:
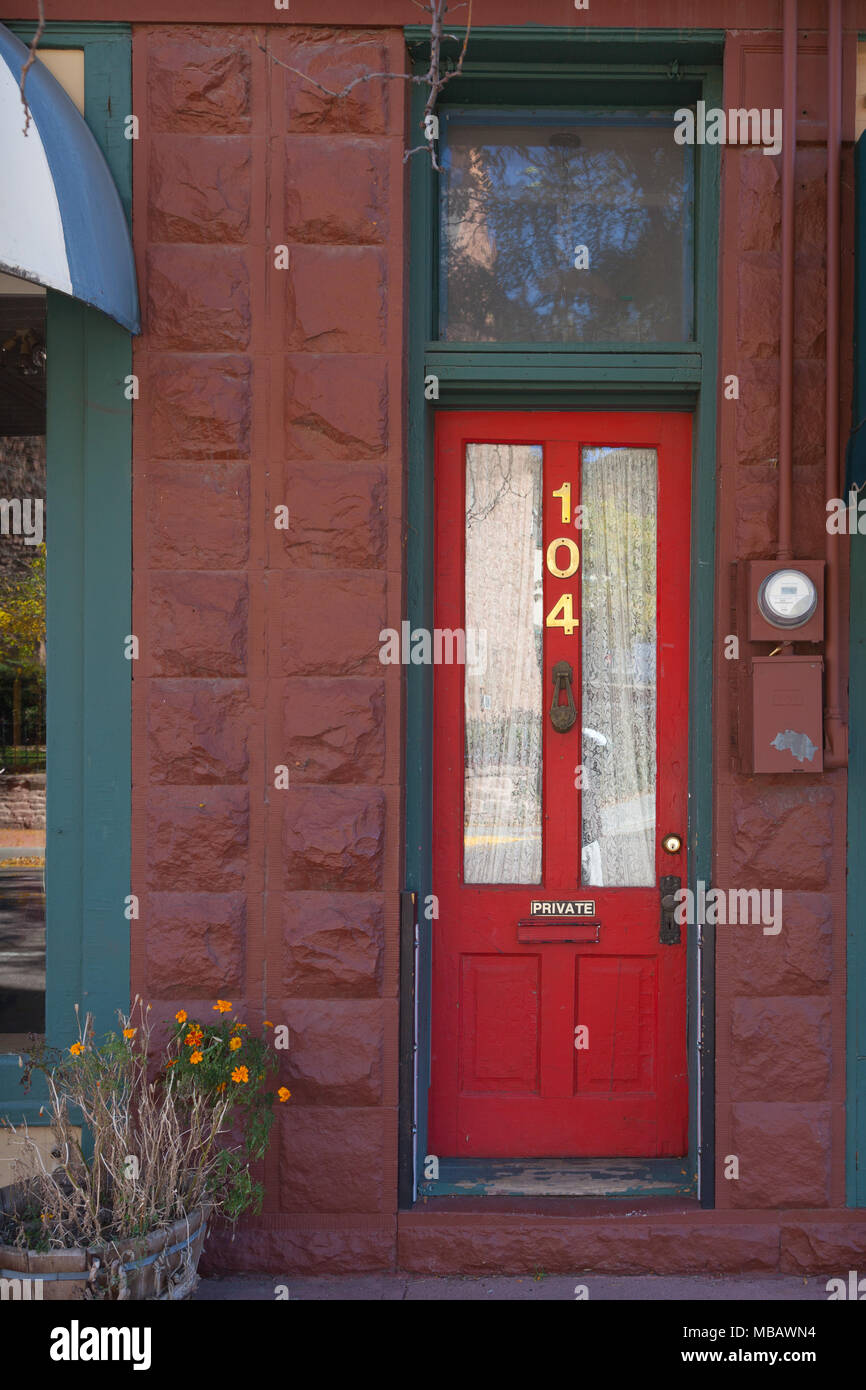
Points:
x=22 y=663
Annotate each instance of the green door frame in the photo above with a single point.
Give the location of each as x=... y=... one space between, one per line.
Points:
x=89 y=605
x=539 y=66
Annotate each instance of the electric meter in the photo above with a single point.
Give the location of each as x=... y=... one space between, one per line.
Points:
x=787 y=598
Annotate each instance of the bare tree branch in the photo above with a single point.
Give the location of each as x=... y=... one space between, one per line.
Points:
x=40 y=29
x=433 y=78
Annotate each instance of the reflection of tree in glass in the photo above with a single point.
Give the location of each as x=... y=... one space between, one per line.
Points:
x=515 y=211
x=22 y=616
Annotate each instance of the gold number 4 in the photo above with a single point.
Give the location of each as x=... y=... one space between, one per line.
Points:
x=562 y=615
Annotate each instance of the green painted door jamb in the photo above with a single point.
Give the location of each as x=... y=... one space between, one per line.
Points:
x=89 y=592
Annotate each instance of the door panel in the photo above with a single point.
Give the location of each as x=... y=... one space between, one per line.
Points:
x=560 y=746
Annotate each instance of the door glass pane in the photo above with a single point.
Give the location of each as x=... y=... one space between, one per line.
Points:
x=503 y=684
x=519 y=200
x=618 y=633
x=23 y=519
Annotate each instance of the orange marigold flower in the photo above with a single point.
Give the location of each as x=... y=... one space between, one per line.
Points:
x=267 y=1023
x=76 y=1049
x=197 y=1057
x=172 y=1063
x=222 y=1006
x=283 y=1093
x=181 y=1015
x=130 y=1032
x=240 y=1074
x=235 y=1043
x=221 y=1086
x=193 y=1037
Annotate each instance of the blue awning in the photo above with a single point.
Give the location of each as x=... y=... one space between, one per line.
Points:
x=62 y=223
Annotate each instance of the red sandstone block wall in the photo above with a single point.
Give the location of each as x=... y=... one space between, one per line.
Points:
x=263 y=387
x=780 y=1000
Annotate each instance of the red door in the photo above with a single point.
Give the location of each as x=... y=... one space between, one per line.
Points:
x=560 y=769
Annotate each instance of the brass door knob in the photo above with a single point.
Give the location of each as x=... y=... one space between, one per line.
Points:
x=672 y=844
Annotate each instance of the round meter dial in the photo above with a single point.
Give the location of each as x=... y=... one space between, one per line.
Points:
x=787 y=598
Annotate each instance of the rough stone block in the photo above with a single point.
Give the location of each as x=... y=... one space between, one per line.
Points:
x=336 y=407
x=759 y=211
x=784 y=1155
x=198 y=298
x=334 y=839
x=338 y=518
x=782 y=835
x=334 y=58
x=199 y=188
x=337 y=190
x=195 y=943
x=198 y=515
x=334 y=730
x=333 y=945
x=336 y=299
x=352 y=604
x=198 y=731
x=797 y=961
x=780 y=1049
x=198 y=623
x=334 y=1160
x=198 y=838
x=199 y=80
x=200 y=406
x=335 y=1050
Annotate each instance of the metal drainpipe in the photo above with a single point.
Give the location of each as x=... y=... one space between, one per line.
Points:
x=786 y=401
x=835 y=731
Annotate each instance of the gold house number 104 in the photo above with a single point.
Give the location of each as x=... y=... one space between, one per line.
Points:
x=562 y=612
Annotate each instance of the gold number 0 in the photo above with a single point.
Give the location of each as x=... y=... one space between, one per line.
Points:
x=573 y=557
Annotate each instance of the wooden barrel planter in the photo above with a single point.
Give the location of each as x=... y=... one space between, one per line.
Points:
x=162 y=1265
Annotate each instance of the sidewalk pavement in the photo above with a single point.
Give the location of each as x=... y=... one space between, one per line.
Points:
x=524 y=1288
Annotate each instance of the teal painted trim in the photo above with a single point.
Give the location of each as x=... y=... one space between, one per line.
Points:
x=701 y=964
x=635 y=377
x=534 y=44
x=107 y=87
x=419 y=598
x=856 y=880
x=550 y=1178
x=89 y=584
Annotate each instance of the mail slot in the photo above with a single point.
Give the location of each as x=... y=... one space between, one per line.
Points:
x=568 y=931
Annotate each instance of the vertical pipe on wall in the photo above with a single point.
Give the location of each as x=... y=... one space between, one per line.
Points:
x=834 y=728
x=786 y=402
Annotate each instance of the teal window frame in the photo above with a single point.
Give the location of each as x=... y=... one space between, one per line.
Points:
x=89 y=607
x=513 y=68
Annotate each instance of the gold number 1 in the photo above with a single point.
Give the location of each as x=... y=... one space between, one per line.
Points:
x=564 y=493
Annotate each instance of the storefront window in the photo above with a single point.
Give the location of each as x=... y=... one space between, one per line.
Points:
x=559 y=229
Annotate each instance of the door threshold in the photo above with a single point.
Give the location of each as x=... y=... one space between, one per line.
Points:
x=560 y=1177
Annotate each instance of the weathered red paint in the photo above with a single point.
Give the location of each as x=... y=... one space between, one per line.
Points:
x=550 y=1099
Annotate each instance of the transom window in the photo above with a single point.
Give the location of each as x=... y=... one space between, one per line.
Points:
x=569 y=227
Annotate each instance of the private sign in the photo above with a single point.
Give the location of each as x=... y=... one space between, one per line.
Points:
x=547 y=907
